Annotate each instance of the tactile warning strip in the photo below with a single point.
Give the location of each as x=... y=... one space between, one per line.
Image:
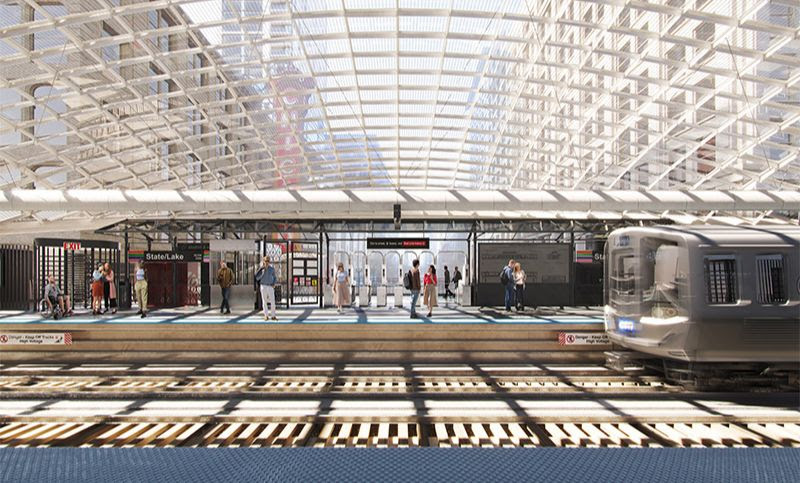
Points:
x=411 y=465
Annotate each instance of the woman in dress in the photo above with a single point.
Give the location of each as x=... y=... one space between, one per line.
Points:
x=97 y=290
x=112 y=288
x=519 y=286
x=429 y=281
x=341 y=288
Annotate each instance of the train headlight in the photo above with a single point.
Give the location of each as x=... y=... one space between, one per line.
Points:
x=626 y=325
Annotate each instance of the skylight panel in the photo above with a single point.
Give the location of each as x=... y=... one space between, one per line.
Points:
x=421 y=45
x=376 y=63
x=373 y=45
x=423 y=24
x=371 y=24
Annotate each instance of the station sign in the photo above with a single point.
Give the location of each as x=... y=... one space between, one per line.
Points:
x=16 y=338
x=72 y=245
x=179 y=256
x=398 y=243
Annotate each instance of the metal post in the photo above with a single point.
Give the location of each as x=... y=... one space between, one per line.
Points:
x=319 y=269
x=126 y=303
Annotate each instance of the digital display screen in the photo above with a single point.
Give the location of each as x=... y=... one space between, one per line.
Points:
x=626 y=325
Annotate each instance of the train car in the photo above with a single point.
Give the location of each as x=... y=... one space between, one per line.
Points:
x=705 y=294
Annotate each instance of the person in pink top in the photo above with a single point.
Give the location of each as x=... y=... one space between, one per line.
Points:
x=430 y=282
x=111 y=293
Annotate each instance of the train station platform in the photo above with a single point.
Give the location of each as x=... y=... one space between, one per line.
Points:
x=311 y=335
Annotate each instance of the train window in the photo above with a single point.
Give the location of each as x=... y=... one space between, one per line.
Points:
x=771 y=281
x=720 y=278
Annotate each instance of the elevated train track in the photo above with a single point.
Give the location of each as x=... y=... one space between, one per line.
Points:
x=378 y=406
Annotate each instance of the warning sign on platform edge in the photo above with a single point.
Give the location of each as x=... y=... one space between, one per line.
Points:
x=577 y=338
x=16 y=338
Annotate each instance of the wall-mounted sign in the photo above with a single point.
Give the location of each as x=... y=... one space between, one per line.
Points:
x=72 y=245
x=578 y=338
x=15 y=338
x=398 y=243
x=180 y=257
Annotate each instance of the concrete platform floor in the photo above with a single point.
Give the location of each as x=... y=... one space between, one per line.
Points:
x=451 y=314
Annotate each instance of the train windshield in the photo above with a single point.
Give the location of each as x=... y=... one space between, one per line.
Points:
x=646 y=278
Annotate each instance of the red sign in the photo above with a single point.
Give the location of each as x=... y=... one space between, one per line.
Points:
x=72 y=245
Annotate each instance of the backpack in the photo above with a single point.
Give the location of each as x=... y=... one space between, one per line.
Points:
x=504 y=277
x=407 y=280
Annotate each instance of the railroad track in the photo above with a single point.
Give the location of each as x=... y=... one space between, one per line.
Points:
x=285 y=434
x=378 y=406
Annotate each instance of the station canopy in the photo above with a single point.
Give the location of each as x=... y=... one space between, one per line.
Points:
x=397 y=95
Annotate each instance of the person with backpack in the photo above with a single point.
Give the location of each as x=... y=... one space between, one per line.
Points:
x=507 y=281
x=411 y=282
x=456 y=283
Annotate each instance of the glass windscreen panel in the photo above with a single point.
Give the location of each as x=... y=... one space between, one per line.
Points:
x=647 y=279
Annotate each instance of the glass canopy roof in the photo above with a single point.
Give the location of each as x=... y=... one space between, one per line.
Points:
x=401 y=94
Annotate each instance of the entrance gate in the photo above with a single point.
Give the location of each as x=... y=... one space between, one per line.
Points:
x=72 y=262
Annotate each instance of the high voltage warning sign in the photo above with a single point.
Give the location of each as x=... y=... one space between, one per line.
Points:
x=60 y=338
x=577 y=338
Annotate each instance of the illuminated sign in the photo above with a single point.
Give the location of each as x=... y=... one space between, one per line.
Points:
x=398 y=243
x=72 y=245
x=626 y=325
x=173 y=257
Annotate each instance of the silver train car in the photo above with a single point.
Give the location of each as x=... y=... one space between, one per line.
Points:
x=705 y=294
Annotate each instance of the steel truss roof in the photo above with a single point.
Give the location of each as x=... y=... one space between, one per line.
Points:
x=400 y=94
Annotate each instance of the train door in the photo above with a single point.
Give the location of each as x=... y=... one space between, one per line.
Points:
x=375 y=271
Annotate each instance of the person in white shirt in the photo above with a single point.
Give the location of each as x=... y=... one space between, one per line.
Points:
x=341 y=288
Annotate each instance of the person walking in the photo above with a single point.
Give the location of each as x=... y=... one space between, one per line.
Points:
x=431 y=282
x=456 y=282
x=267 y=279
x=341 y=288
x=97 y=290
x=507 y=280
x=447 y=292
x=140 y=287
x=109 y=289
x=414 y=286
x=225 y=280
x=519 y=287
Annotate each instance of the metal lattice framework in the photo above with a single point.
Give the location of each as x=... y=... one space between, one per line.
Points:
x=401 y=94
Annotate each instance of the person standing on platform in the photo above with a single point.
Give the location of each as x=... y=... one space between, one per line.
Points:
x=519 y=286
x=431 y=282
x=447 y=292
x=507 y=281
x=414 y=286
x=267 y=279
x=109 y=289
x=341 y=288
x=97 y=290
x=225 y=280
x=456 y=284
x=140 y=287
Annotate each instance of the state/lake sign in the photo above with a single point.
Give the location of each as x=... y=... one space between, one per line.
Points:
x=48 y=338
x=178 y=256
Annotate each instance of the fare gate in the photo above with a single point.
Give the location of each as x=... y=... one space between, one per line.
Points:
x=16 y=277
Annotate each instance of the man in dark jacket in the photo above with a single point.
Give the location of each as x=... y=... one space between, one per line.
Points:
x=447 y=292
x=507 y=278
x=225 y=280
x=416 y=286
